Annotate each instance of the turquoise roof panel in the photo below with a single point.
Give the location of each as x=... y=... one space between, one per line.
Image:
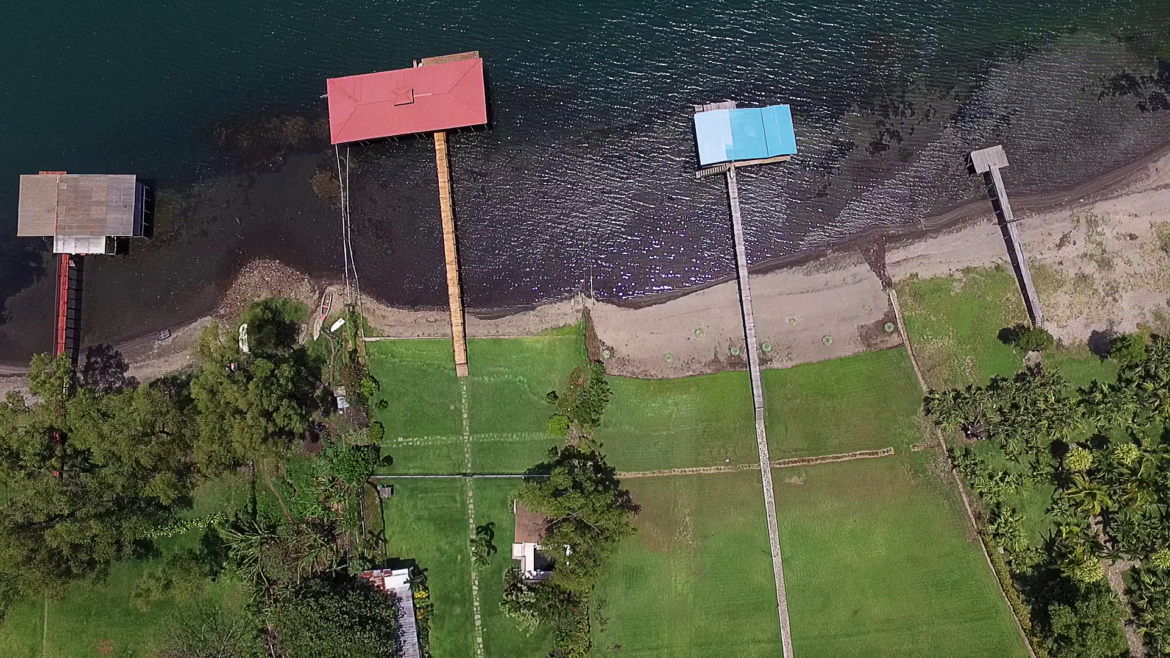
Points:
x=744 y=134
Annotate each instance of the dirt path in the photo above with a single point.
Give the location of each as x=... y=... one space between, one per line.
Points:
x=954 y=472
x=780 y=463
x=1113 y=571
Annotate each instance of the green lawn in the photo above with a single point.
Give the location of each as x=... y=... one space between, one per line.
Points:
x=509 y=379
x=93 y=616
x=878 y=562
x=861 y=402
x=954 y=325
x=501 y=638
x=426 y=522
x=679 y=423
x=696 y=580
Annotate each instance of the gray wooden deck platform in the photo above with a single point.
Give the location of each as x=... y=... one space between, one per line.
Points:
x=749 y=326
x=988 y=162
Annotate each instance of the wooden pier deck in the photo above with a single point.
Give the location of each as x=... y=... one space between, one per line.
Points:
x=451 y=256
x=988 y=162
x=749 y=326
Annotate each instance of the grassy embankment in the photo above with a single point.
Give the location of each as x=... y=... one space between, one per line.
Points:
x=697 y=579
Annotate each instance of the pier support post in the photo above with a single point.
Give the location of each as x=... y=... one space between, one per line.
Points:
x=451 y=256
x=749 y=328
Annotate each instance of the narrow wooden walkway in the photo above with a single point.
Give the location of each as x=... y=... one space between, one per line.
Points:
x=451 y=256
x=988 y=162
x=749 y=326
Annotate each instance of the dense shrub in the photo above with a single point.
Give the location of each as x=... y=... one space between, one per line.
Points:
x=1127 y=349
x=334 y=618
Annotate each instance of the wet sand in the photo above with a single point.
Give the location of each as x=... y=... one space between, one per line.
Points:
x=1099 y=259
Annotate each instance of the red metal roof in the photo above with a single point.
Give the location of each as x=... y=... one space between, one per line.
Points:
x=417 y=100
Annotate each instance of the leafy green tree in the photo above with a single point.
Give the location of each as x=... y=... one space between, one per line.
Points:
x=334 y=618
x=1035 y=339
x=1078 y=460
x=1128 y=349
x=273 y=324
x=588 y=511
x=86 y=476
x=558 y=425
x=1085 y=622
x=1027 y=338
x=586 y=397
x=249 y=407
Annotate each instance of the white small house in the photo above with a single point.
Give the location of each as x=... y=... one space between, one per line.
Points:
x=530 y=528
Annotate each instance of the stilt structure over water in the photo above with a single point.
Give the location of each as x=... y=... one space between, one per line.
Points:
x=436 y=95
x=83 y=214
x=729 y=138
x=988 y=162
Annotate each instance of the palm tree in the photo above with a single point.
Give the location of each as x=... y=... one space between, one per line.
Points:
x=1089 y=497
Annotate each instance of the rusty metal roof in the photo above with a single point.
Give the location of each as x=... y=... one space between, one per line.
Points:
x=76 y=205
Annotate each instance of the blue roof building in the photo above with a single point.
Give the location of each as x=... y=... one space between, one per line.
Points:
x=735 y=135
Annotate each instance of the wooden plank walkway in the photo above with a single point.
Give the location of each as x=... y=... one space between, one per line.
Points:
x=749 y=325
x=988 y=162
x=451 y=256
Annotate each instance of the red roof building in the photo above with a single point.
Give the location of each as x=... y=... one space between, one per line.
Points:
x=440 y=94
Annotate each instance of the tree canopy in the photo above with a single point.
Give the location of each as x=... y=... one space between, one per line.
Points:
x=588 y=513
x=334 y=618
x=85 y=476
x=249 y=406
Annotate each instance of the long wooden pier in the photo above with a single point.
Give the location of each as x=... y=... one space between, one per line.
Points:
x=451 y=256
x=988 y=162
x=749 y=327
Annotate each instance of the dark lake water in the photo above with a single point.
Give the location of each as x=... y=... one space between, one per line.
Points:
x=585 y=177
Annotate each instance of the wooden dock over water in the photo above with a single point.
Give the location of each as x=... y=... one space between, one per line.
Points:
x=988 y=162
x=451 y=256
x=749 y=326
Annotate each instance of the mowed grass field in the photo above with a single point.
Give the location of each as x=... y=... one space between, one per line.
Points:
x=426 y=523
x=696 y=580
x=505 y=392
x=679 y=423
x=97 y=618
x=861 y=402
x=878 y=562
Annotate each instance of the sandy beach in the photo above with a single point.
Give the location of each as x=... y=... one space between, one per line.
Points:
x=1100 y=254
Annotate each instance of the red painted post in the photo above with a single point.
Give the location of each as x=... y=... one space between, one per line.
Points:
x=62 y=303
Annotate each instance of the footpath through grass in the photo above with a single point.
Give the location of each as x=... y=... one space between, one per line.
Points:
x=861 y=402
x=878 y=563
x=426 y=522
x=696 y=580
